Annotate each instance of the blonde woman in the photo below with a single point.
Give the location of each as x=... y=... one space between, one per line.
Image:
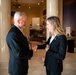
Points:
x=57 y=47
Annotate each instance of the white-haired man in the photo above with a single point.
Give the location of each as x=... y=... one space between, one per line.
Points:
x=18 y=46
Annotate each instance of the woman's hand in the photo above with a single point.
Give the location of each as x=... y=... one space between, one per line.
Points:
x=47 y=47
x=34 y=48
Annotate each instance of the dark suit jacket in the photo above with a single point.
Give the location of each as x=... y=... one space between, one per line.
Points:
x=19 y=52
x=56 y=53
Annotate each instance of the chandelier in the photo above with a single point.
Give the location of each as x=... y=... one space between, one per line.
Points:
x=16 y=4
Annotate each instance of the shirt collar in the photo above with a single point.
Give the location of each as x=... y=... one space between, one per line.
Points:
x=19 y=28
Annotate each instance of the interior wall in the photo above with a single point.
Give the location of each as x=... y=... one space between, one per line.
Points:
x=60 y=10
x=42 y=8
x=69 y=17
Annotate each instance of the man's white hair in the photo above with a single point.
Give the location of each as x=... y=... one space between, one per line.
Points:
x=18 y=15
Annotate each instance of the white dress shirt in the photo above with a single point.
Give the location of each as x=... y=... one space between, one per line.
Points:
x=52 y=38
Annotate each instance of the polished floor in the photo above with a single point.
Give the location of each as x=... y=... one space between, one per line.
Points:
x=36 y=66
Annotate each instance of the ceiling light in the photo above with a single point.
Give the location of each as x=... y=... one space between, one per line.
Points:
x=29 y=7
x=38 y=3
x=42 y=1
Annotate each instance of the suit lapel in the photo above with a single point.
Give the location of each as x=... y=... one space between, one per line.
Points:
x=18 y=31
x=54 y=40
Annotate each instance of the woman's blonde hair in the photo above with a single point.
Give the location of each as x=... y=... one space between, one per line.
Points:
x=54 y=20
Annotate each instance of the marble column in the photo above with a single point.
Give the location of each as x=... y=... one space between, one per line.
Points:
x=5 y=24
x=53 y=8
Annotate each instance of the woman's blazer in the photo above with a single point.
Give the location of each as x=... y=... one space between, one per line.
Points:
x=56 y=52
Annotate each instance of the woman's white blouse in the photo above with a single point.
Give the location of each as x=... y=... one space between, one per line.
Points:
x=52 y=38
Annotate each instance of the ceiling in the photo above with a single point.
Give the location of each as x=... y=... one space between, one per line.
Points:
x=28 y=1
x=65 y=2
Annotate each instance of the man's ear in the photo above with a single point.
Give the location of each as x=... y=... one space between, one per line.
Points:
x=18 y=21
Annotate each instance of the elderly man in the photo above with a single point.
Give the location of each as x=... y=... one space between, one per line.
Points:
x=18 y=46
